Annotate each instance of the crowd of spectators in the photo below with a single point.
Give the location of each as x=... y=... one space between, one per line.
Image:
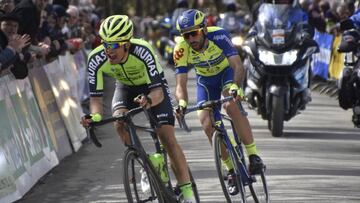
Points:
x=39 y=30
x=325 y=15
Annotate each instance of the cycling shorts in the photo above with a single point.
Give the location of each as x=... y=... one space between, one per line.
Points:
x=124 y=98
x=210 y=87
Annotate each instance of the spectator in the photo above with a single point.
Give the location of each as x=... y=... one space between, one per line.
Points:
x=51 y=31
x=315 y=18
x=29 y=12
x=73 y=27
x=72 y=30
x=6 y=6
x=11 y=45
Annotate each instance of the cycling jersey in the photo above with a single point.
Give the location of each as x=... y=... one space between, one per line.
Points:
x=141 y=68
x=210 y=62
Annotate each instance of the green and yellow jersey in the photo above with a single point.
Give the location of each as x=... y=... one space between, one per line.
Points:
x=141 y=68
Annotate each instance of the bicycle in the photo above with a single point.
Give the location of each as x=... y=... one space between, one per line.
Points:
x=256 y=182
x=142 y=180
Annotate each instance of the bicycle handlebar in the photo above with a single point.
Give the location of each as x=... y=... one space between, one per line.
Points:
x=122 y=117
x=208 y=104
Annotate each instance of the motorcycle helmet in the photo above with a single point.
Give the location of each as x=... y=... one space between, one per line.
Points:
x=166 y=23
x=116 y=28
x=349 y=41
x=190 y=20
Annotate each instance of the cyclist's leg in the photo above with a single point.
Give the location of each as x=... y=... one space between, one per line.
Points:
x=122 y=102
x=166 y=133
x=208 y=88
x=241 y=124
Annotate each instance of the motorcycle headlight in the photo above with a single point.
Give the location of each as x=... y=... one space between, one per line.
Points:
x=270 y=58
x=237 y=41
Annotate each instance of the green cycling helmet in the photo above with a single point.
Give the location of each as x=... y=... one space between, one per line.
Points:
x=116 y=28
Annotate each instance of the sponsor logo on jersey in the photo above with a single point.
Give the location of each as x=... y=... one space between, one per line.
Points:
x=93 y=65
x=179 y=53
x=148 y=58
x=223 y=37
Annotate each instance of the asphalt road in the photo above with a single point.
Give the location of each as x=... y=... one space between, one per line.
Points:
x=317 y=160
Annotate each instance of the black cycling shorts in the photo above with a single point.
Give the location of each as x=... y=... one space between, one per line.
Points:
x=124 y=98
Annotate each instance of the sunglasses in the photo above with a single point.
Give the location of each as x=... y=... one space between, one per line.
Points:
x=113 y=45
x=192 y=33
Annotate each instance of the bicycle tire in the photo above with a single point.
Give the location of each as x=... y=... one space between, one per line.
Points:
x=259 y=189
x=194 y=187
x=192 y=180
x=217 y=140
x=132 y=180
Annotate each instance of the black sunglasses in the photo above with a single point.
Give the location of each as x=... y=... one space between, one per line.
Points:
x=192 y=33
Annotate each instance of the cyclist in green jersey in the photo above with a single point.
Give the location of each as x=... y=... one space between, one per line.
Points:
x=137 y=71
x=219 y=71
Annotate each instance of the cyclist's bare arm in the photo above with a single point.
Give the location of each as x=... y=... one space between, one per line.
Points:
x=181 y=86
x=96 y=105
x=239 y=71
x=95 y=108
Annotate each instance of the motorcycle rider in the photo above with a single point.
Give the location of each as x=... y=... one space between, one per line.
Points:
x=298 y=16
x=219 y=69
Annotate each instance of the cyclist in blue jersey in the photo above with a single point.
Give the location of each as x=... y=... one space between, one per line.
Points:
x=219 y=71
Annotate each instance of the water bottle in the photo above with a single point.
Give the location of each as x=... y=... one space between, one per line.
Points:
x=158 y=162
x=234 y=144
x=232 y=138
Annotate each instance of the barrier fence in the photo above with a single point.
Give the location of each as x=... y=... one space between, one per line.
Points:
x=40 y=122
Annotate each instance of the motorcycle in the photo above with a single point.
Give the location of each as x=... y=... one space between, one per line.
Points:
x=349 y=82
x=278 y=67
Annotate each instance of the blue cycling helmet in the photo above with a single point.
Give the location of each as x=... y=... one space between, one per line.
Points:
x=190 y=20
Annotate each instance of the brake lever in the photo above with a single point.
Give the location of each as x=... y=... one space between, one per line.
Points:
x=242 y=110
x=93 y=138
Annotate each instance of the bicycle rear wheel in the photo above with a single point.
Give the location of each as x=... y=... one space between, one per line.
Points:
x=259 y=189
x=139 y=181
x=222 y=172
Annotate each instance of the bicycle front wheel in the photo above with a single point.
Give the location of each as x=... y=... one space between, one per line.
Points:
x=222 y=172
x=139 y=180
x=259 y=188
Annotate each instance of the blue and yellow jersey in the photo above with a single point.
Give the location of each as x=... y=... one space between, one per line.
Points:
x=210 y=62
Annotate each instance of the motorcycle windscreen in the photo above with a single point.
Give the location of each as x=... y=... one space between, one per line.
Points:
x=276 y=24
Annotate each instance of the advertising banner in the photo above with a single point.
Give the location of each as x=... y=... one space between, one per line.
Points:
x=26 y=151
x=64 y=87
x=50 y=112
